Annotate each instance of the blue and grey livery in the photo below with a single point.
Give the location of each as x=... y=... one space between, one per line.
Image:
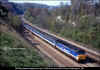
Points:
x=65 y=47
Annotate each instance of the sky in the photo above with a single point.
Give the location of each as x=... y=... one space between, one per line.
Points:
x=47 y=2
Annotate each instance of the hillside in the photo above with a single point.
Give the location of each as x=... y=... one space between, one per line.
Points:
x=20 y=8
x=82 y=26
x=15 y=51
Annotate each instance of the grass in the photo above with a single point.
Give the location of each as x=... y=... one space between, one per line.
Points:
x=14 y=52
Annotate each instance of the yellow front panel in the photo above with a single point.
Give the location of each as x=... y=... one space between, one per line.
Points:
x=82 y=57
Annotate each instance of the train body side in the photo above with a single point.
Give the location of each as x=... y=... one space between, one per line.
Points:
x=64 y=48
x=77 y=56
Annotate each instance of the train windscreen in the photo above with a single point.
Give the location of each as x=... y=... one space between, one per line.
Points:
x=81 y=52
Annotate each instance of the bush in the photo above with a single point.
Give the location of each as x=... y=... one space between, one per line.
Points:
x=14 y=21
x=87 y=29
x=13 y=53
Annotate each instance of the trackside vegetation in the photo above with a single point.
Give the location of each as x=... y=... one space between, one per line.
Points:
x=81 y=26
x=14 y=52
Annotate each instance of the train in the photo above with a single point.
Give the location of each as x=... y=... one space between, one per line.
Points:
x=71 y=50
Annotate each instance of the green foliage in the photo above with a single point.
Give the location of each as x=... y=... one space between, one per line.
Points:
x=87 y=29
x=14 y=21
x=13 y=53
x=27 y=15
x=5 y=40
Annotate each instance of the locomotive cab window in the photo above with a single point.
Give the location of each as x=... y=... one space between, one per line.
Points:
x=81 y=52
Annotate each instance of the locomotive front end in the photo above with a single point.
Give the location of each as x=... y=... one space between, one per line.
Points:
x=81 y=57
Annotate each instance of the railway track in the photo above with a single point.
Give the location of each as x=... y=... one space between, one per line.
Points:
x=93 y=59
x=59 y=58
